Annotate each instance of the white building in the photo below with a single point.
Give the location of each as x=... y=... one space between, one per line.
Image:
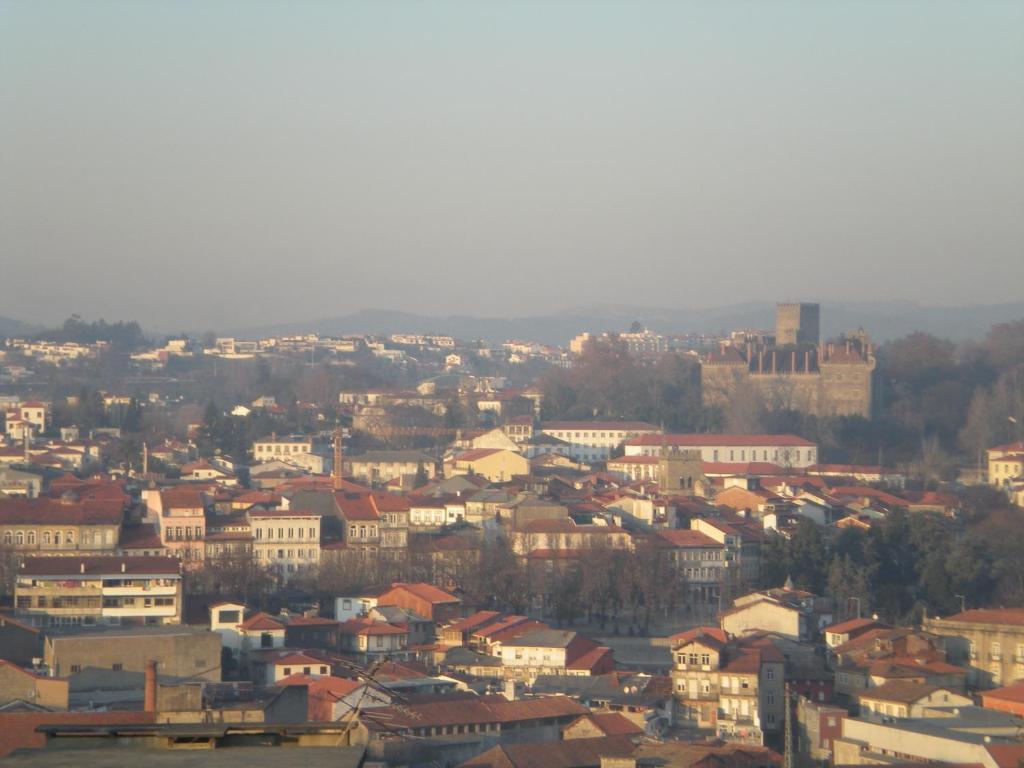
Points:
x=287 y=541
x=595 y=440
x=784 y=450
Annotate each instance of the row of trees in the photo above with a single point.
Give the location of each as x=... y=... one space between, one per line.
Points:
x=905 y=566
x=617 y=589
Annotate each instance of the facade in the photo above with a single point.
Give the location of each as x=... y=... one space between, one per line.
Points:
x=99 y=590
x=181 y=515
x=494 y=464
x=787 y=451
x=553 y=652
x=701 y=560
x=733 y=688
x=595 y=440
x=1005 y=464
x=797 y=371
x=179 y=650
x=57 y=526
x=988 y=642
x=379 y=467
x=287 y=541
x=274 y=447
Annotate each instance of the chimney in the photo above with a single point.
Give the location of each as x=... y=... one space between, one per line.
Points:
x=338 y=460
x=150 y=693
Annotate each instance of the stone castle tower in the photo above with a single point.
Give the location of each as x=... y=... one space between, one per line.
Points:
x=797 y=371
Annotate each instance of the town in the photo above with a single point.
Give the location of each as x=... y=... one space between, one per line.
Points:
x=758 y=548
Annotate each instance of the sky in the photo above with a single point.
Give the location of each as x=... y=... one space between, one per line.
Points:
x=212 y=164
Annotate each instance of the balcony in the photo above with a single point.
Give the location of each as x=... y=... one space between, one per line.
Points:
x=156 y=610
x=140 y=591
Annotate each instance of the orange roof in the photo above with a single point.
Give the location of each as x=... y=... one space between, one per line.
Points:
x=424 y=591
x=260 y=621
x=1014 y=616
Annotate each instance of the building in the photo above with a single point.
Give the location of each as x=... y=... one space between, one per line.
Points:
x=903 y=699
x=948 y=735
x=63 y=525
x=595 y=440
x=989 y=642
x=424 y=600
x=285 y=540
x=181 y=515
x=1005 y=464
x=703 y=562
x=786 y=451
x=795 y=371
x=20 y=685
x=380 y=467
x=797 y=324
x=553 y=652
x=494 y=464
x=1007 y=699
x=731 y=687
x=274 y=447
x=788 y=612
x=179 y=650
x=99 y=590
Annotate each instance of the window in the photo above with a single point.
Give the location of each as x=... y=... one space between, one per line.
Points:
x=705 y=659
x=76 y=668
x=380 y=641
x=31 y=537
x=287 y=671
x=200 y=663
x=46 y=536
x=769 y=673
x=996 y=651
x=266 y=640
x=56 y=538
x=19 y=537
x=117 y=666
x=346 y=604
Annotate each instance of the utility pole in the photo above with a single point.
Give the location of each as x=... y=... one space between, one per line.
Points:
x=788 y=732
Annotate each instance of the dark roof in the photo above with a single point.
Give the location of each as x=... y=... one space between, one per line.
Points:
x=573 y=753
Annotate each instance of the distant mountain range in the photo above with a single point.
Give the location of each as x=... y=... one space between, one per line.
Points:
x=11 y=327
x=883 y=320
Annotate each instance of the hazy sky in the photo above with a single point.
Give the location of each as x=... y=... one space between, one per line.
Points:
x=213 y=164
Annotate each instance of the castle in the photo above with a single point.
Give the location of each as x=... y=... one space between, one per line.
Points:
x=795 y=370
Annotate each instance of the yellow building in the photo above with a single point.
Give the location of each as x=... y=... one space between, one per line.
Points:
x=496 y=465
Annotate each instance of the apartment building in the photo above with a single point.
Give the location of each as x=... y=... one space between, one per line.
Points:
x=274 y=447
x=285 y=540
x=553 y=652
x=66 y=590
x=61 y=525
x=181 y=516
x=595 y=440
x=989 y=642
x=731 y=687
x=702 y=560
x=378 y=467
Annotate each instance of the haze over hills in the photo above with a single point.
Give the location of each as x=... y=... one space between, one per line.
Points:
x=884 y=320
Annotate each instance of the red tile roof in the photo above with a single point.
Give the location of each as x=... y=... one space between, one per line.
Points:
x=261 y=621
x=1012 y=616
x=708 y=439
